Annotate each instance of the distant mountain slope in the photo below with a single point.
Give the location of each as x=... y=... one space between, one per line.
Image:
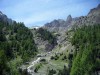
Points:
x=60 y=25
x=5 y=19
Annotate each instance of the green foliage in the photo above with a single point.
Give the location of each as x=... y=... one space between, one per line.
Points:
x=64 y=71
x=3 y=65
x=46 y=35
x=13 y=65
x=52 y=72
x=64 y=58
x=16 y=40
x=70 y=56
x=43 y=60
x=56 y=57
x=87 y=43
x=52 y=57
x=38 y=66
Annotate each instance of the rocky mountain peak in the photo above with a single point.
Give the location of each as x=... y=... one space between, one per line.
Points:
x=69 y=18
x=5 y=19
x=1 y=13
x=98 y=6
x=94 y=11
x=60 y=25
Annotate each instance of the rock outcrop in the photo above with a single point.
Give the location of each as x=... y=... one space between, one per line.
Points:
x=43 y=45
x=5 y=19
x=58 y=25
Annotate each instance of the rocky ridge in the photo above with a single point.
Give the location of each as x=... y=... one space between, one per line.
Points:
x=5 y=19
x=93 y=17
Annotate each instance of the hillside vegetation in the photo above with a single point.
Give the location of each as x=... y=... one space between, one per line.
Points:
x=46 y=35
x=16 y=42
x=86 y=59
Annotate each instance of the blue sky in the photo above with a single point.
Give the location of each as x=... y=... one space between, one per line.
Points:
x=39 y=12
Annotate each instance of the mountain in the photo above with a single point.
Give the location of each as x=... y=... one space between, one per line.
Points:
x=57 y=48
x=93 y=17
x=5 y=19
x=60 y=26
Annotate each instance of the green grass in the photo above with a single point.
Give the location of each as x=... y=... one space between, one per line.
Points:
x=13 y=64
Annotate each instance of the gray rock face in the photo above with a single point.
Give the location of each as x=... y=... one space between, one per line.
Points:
x=5 y=19
x=69 y=19
x=43 y=45
x=58 y=25
x=98 y=6
x=93 y=17
x=95 y=11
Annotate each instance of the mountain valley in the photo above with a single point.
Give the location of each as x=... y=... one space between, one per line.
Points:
x=61 y=47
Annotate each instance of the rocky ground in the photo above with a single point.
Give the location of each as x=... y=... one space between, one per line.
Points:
x=45 y=59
